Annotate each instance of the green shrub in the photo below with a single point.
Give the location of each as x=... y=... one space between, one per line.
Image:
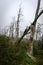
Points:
x=13 y=54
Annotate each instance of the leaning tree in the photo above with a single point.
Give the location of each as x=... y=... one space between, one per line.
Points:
x=32 y=28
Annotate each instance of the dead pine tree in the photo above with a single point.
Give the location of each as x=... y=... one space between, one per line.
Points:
x=18 y=21
x=38 y=32
x=32 y=28
x=30 y=48
x=11 y=30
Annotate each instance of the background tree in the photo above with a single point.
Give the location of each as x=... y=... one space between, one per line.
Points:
x=18 y=21
x=38 y=31
x=11 y=30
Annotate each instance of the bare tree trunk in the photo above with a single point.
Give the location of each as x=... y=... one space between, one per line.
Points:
x=11 y=30
x=18 y=20
x=33 y=30
x=30 y=50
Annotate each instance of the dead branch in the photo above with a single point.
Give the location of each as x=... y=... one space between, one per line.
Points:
x=26 y=30
x=38 y=7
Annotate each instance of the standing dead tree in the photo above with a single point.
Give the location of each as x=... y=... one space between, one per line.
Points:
x=32 y=27
x=18 y=20
x=4 y=31
x=11 y=30
x=38 y=31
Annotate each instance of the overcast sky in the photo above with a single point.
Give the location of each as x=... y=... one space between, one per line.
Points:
x=9 y=9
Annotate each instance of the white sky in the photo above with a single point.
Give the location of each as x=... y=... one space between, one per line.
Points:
x=9 y=9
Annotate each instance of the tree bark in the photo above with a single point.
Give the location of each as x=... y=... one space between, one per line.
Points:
x=33 y=30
